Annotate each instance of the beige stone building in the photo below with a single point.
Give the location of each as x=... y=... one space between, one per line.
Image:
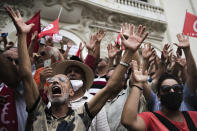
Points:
x=80 y=18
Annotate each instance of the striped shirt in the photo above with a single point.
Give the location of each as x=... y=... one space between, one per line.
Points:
x=98 y=84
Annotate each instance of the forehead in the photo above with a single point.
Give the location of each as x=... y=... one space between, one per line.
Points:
x=169 y=82
x=60 y=75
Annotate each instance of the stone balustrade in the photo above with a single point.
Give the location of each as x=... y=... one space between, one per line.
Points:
x=141 y=5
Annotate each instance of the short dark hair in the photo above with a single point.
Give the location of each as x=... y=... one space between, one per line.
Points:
x=163 y=77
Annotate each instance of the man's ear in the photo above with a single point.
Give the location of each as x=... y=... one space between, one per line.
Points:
x=71 y=92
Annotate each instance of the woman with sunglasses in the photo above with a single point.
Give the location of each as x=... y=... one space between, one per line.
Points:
x=170 y=93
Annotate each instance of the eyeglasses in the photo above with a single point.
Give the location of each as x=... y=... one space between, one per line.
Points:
x=60 y=79
x=11 y=60
x=176 y=88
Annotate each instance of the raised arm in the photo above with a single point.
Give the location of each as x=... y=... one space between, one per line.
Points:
x=147 y=51
x=114 y=84
x=112 y=53
x=31 y=93
x=69 y=45
x=80 y=51
x=191 y=65
x=130 y=118
x=32 y=43
x=91 y=57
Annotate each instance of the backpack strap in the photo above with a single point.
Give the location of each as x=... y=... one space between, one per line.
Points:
x=189 y=121
x=166 y=122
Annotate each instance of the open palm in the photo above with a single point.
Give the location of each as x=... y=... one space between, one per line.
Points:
x=135 y=39
x=112 y=51
x=137 y=74
x=183 y=41
x=147 y=51
x=18 y=21
x=92 y=42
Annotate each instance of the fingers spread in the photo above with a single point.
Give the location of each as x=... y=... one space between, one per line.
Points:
x=132 y=28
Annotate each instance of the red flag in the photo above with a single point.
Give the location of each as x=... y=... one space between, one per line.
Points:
x=119 y=41
x=51 y=29
x=78 y=53
x=36 y=20
x=190 y=26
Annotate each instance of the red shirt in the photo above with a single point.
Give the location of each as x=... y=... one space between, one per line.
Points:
x=153 y=124
x=8 y=121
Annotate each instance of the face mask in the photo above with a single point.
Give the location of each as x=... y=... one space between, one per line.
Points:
x=76 y=84
x=172 y=100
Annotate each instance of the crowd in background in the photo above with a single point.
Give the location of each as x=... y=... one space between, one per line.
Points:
x=132 y=89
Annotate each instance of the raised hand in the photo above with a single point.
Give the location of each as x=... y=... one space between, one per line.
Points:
x=91 y=44
x=112 y=51
x=181 y=62
x=34 y=35
x=152 y=57
x=179 y=52
x=137 y=74
x=183 y=41
x=45 y=73
x=147 y=51
x=135 y=39
x=80 y=47
x=100 y=35
x=165 y=52
x=125 y=30
x=69 y=45
x=20 y=25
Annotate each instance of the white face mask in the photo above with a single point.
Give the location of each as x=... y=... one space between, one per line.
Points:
x=76 y=84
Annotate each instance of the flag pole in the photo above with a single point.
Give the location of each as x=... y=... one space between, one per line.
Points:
x=60 y=13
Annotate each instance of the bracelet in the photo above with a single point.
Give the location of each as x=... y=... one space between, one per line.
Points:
x=141 y=89
x=124 y=64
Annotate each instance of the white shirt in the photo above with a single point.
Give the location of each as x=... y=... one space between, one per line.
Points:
x=99 y=123
x=114 y=110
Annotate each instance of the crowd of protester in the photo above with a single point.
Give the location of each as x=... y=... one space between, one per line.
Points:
x=131 y=89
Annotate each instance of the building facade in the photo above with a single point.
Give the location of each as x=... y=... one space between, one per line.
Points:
x=80 y=18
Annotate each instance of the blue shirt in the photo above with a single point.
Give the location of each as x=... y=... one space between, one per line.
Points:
x=189 y=102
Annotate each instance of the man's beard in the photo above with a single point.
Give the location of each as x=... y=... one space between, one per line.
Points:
x=59 y=100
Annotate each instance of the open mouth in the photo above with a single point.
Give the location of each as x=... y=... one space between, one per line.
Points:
x=56 y=90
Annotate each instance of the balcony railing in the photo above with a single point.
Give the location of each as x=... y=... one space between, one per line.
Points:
x=141 y=5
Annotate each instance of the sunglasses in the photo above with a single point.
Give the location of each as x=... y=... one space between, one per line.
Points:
x=52 y=79
x=176 y=88
x=11 y=60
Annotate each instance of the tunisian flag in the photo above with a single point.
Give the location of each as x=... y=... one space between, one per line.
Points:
x=36 y=20
x=190 y=26
x=51 y=29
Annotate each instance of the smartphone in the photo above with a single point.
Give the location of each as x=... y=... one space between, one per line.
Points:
x=47 y=63
x=42 y=41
